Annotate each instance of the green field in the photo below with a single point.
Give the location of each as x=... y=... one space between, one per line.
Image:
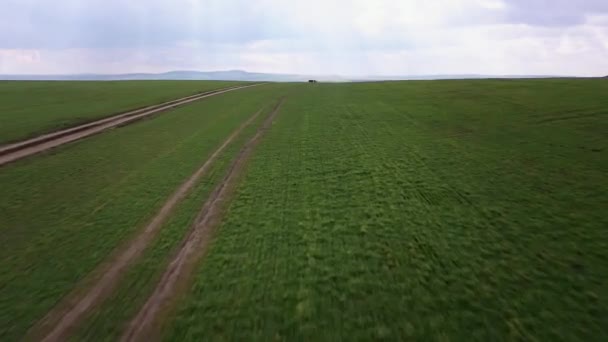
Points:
x=34 y=107
x=64 y=211
x=420 y=210
x=108 y=322
x=456 y=210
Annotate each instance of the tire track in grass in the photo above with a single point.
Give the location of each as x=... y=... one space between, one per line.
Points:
x=16 y=151
x=109 y=320
x=60 y=321
x=194 y=244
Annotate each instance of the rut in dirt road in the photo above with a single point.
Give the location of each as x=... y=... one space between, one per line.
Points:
x=58 y=323
x=181 y=266
x=13 y=152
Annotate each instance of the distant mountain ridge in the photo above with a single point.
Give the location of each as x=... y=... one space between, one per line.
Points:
x=224 y=75
x=241 y=75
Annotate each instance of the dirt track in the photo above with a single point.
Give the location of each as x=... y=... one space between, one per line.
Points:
x=12 y=152
x=58 y=323
x=142 y=326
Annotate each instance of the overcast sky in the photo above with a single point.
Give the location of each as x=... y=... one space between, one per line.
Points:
x=346 y=37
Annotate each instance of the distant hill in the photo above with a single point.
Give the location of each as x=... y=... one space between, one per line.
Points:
x=452 y=77
x=228 y=75
x=241 y=75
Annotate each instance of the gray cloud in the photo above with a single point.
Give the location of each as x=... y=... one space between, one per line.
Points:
x=35 y=24
x=554 y=12
x=112 y=23
x=348 y=36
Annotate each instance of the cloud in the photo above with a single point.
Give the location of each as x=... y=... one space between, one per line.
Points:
x=316 y=36
x=554 y=12
x=118 y=23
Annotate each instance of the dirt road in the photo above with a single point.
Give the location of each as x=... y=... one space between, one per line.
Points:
x=142 y=327
x=12 y=152
x=58 y=323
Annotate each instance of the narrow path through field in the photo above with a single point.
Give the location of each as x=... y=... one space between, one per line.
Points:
x=194 y=244
x=58 y=323
x=12 y=152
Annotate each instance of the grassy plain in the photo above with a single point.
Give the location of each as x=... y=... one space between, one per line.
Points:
x=62 y=212
x=107 y=323
x=451 y=210
x=29 y=108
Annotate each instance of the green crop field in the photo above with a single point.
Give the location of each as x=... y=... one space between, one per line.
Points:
x=108 y=322
x=455 y=210
x=29 y=108
x=419 y=210
x=63 y=212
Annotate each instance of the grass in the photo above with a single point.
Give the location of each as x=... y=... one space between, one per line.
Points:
x=62 y=212
x=109 y=321
x=451 y=210
x=30 y=108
